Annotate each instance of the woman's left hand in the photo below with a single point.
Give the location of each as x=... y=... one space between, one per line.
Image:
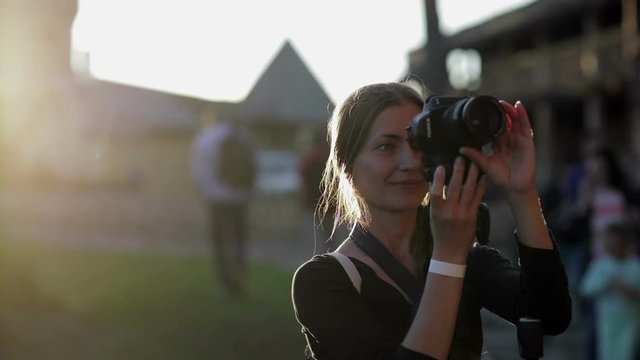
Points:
x=512 y=165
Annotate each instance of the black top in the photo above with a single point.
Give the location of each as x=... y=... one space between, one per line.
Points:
x=340 y=323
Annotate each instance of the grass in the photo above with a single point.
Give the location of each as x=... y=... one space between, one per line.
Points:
x=66 y=303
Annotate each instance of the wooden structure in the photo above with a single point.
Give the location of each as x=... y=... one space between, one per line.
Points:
x=573 y=62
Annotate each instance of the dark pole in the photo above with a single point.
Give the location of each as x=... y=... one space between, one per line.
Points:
x=435 y=76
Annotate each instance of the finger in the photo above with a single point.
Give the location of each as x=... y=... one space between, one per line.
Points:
x=437 y=185
x=469 y=189
x=476 y=157
x=509 y=109
x=455 y=184
x=509 y=122
x=524 y=122
x=514 y=121
x=480 y=189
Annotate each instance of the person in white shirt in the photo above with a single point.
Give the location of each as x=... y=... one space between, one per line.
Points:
x=224 y=169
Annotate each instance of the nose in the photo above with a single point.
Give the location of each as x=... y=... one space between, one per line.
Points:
x=410 y=159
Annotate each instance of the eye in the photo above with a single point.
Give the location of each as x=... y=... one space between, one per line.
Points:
x=386 y=147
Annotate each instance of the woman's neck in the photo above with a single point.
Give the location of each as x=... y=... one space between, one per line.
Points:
x=394 y=229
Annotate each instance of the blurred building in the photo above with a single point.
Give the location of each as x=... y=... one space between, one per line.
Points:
x=63 y=128
x=573 y=62
x=36 y=83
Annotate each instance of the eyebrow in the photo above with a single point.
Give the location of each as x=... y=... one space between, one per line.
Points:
x=390 y=136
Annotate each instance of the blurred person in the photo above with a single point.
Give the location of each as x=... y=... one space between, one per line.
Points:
x=602 y=198
x=613 y=280
x=605 y=193
x=224 y=170
x=350 y=307
x=569 y=217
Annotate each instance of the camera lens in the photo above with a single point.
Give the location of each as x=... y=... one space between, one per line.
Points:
x=484 y=117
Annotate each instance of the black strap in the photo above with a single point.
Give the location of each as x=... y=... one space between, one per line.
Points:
x=398 y=273
x=392 y=267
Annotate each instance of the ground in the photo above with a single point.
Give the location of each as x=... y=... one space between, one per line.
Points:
x=112 y=219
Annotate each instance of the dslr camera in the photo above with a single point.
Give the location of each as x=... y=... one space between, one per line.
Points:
x=448 y=123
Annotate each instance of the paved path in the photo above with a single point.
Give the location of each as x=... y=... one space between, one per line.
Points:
x=120 y=221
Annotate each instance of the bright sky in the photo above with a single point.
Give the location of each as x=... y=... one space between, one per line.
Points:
x=217 y=49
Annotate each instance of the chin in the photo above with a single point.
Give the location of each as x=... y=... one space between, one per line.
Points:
x=411 y=201
x=407 y=205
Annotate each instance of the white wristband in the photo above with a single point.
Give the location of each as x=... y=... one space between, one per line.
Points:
x=447 y=269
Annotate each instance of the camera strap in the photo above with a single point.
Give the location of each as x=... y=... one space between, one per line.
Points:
x=392 y=267
x=411 y=286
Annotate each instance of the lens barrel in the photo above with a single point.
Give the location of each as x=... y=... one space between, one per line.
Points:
x=484 y=118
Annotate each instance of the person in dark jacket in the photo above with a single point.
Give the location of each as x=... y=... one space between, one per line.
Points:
x=346 y=302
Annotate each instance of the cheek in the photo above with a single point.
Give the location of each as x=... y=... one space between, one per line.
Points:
x=371 y=170
x=366 y=177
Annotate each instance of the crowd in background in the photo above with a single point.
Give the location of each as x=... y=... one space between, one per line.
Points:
x=594 y=212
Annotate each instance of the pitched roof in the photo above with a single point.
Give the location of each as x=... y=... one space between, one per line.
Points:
x=286 y=92
x=129 y=110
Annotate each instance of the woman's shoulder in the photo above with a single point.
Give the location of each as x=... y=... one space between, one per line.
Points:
x=319 y=269
x=321 y=276
x=315 y=265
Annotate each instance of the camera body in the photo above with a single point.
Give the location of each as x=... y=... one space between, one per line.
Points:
x=447 y=123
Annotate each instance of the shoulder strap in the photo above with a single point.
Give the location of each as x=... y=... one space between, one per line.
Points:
x=349 y=268
x=401 y=276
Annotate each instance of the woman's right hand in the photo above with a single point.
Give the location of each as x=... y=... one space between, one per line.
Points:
x=454 y=211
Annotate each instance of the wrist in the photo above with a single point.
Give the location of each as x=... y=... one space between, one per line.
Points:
x=447 y=269
x=453 y=256
x=524 y=198
x=527 y=211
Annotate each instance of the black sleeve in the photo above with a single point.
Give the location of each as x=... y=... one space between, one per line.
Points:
x=538 y=289
x=337 y=323
x=545 y=290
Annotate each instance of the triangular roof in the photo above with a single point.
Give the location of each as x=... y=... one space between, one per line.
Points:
x=287 y=92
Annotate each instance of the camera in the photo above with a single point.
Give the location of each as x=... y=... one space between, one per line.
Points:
x=447 y=123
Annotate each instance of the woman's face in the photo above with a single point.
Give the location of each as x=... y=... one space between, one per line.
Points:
x=387 y=172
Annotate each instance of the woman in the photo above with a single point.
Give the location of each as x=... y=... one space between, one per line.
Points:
x=376 y=182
